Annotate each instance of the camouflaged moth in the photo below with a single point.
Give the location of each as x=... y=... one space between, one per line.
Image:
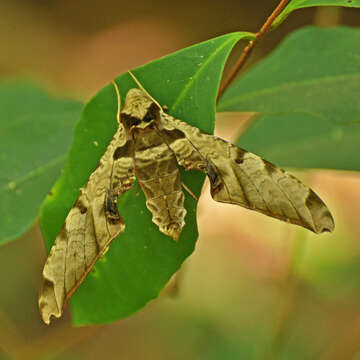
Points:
x=151 y=145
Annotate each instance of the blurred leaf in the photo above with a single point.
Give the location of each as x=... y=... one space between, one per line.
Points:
x=141 y=260
x=332 y=267
x=307 y=94
x=299 y=4
x=4 y=355
x=334 y=279
x=35 y=134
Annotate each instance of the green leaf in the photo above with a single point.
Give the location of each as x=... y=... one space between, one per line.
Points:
x=35 y=133
x=299 y=4
x=307 y=94
x=141 y=260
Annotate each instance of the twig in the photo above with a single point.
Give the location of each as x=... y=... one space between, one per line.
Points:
x=250 y=46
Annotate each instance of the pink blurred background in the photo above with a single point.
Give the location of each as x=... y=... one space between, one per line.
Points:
x=255 y=288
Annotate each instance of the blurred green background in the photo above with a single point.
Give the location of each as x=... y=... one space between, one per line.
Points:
x=255 y=288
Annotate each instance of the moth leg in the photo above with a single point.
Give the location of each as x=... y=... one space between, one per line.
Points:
x=189 y=191
x=111 y=210
x=138 y=188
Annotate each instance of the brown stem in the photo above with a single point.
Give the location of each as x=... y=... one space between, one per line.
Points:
x=250 y=46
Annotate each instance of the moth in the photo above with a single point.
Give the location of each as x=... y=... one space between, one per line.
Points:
x=151 y=145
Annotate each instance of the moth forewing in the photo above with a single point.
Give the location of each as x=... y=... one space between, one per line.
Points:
x=91 y=225
x=242 y=178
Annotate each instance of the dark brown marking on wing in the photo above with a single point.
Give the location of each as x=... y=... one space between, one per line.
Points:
x=81 y=207
x=270 y=168
x=240 y=156
x=312 y=199
x=172 y=135
x=152 y=113
x=212 y=175
x=129 y=120
x=123 y=151
x=316 y=205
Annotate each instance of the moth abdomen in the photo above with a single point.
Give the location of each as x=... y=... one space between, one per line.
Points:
x=159 y=177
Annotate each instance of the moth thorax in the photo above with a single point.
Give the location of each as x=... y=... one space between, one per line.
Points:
x=137 y=104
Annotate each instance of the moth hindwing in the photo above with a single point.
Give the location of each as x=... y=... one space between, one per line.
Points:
x=151 y=145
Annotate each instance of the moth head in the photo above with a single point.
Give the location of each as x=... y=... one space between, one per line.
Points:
x=139 y=109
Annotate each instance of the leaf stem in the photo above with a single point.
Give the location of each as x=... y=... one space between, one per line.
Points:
x=249 y=48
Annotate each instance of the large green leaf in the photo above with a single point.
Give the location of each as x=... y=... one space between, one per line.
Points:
x=299 y=4
x=307 y=93
x=141 y=260
x=35 y=134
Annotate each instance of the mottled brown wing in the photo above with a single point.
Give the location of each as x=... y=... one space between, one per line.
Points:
x=89 y=228
x=242 y=178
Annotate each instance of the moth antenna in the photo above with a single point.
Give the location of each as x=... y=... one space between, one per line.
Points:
x=138 y=83
x=118 y=100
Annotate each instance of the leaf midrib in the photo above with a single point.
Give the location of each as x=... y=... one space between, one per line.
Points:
x=302 y=4
x=191 y=81
x=286 y=86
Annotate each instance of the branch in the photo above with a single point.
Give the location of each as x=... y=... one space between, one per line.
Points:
x=249 y=48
